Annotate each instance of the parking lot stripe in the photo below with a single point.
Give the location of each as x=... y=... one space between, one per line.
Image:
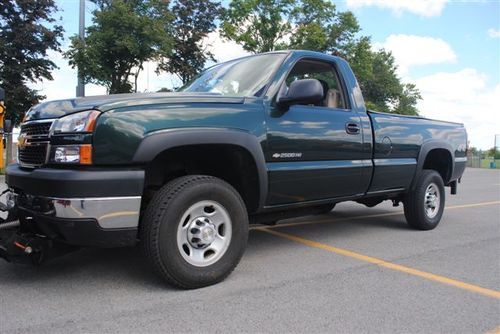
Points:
x=388 y=214
x=386 y=264
x=471 y=205
x=494 y=331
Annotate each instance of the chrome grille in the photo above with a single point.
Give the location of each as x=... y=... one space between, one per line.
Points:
x=33 y=143
x=36 y=129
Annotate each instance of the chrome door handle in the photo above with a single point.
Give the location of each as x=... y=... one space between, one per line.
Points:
x=352 y=128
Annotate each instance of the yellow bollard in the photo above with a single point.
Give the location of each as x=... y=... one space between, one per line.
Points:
x=2 y=115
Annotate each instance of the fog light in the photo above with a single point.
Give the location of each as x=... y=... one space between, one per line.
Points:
x=67 y=154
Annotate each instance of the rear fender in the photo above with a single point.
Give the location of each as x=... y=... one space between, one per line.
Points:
x=424 y=151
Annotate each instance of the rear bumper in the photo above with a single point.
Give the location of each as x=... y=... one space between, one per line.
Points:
x=84 y=208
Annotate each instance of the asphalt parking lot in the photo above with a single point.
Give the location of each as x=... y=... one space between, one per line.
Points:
x=354 y=270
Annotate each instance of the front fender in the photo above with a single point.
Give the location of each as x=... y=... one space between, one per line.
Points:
x=160 y=141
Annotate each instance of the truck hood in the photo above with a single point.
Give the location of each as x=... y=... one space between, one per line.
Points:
x=58 y=108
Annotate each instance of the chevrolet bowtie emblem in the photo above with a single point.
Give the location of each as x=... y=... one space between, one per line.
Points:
x=21 y=141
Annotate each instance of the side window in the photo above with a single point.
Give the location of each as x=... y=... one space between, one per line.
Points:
x=333 y=96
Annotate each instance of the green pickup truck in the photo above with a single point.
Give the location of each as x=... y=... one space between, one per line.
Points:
x=252 y=140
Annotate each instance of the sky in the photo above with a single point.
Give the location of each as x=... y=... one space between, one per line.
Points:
x=449 y=48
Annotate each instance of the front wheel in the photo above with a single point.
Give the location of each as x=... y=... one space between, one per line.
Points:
x=195 y=231
x=424 y=207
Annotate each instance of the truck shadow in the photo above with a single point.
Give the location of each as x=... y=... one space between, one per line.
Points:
x=127 y=266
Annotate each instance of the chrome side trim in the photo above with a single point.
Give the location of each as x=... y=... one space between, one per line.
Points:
x=110 y=212
x=394 y=162
x=278 y=166
x=461 y=159
x=392 y=190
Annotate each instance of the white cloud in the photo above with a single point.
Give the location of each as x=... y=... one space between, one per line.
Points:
x=494 y=33
x=412 y=50
x=464 y=97
x=223 y=50
x=425 y=8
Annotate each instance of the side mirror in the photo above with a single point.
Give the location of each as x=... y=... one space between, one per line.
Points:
x=305 y=91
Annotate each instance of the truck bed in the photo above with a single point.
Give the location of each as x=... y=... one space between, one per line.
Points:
x=398 y=141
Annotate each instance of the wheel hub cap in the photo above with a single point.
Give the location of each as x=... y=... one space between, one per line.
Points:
x=201 y=232
x=432 y=200
x=204 y=233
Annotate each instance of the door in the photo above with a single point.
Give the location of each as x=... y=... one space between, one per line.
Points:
x=315 y=152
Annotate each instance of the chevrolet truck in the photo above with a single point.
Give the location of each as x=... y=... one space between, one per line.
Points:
x=183 y=174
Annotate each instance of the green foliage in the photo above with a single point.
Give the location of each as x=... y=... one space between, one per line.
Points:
x=27 y=32
x=493 y=153
x=267 y=25
x=407 y=100
x=124 y=35
x=258 y=25
x=193 y=21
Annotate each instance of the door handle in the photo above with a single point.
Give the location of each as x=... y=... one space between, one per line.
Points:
x=352 y=128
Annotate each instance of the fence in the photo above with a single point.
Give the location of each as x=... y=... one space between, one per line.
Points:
x=476 y=161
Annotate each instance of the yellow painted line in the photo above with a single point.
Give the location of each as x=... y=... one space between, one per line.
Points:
x=388 y=214
x=386 y=264
x=471 y=205
x=119 y=214
x=494 y=331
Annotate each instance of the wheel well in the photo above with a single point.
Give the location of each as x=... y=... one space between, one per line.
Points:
x=440 y=161
x=231 y=163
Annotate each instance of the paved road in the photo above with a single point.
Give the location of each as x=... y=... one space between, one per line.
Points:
x=314 y=274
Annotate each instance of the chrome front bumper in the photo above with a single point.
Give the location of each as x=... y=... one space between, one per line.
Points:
x=109 y=212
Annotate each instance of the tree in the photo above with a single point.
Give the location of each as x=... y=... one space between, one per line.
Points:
x=27 y=32
x=407 y=100
x=381 y=86
x=258 y=25
x=493 y=153
x=319 y=27
x=193 y=21
x=125 y=34
x=266 y=25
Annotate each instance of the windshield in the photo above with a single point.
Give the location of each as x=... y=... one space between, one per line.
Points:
x=241 y=77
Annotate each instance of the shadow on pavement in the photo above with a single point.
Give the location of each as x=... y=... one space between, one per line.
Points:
x=128 y=265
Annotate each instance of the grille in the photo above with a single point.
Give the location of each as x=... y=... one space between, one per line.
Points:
x=33 y=155
x=36 y=129
x=33 y=143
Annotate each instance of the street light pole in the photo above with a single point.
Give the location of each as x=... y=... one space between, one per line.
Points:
x=80 y=89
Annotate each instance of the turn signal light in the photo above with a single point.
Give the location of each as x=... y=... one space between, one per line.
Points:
x=86 y=154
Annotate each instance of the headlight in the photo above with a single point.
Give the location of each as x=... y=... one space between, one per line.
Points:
x=79 y=122
x=77 y=154
x=66 y=145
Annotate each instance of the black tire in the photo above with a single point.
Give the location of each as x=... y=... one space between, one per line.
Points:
x=162 y=221
x=415 y=202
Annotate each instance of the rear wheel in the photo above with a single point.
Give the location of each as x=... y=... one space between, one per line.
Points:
x=424 y=207
x=195 y=231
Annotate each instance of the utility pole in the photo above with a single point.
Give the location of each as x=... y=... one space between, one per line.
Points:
x=80 y=89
